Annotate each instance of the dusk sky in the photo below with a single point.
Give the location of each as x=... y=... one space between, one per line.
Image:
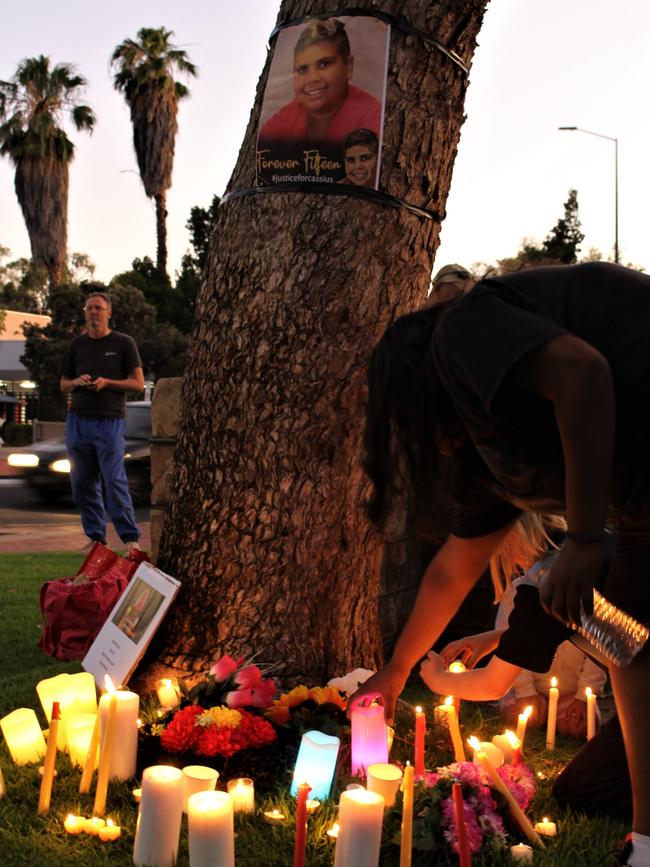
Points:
x=538 y=66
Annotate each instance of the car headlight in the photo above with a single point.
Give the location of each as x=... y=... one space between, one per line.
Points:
x=60 y=466
x=22 y=459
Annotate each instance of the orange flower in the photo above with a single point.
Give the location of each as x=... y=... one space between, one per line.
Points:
x=280 y=711
x=327 y=694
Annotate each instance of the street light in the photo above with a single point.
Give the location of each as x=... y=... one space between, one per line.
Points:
x=615 y=140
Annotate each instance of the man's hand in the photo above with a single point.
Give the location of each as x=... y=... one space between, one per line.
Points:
x=572 y=717
x=98 y=384
x=387 y=684
x=83 y=380
x=537 y=717
x=470 y=649
x=430 y=667
x=570 y=584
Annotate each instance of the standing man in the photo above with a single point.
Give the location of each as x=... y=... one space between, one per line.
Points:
x=99 y=368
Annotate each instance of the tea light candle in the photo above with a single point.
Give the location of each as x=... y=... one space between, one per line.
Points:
x=312 y=805
x=274 y=817
x=369 y=736
x=137 y=795
x=420 y=733
x=169 y=693
x=79 y=732
x=92 y=826
x=494 y=754
x=457 y=667
x=551 y=723
x=74 y=824
x=211 y=829
x=361 y=814
x=522 y=722
x=591 y=713
x=385 y=780
x=109 y=832
x=198 y=778
x=242 y=792
x=23 y=736
x=521 y=852
x=545 y=827
x=333 y=832
x=159 y=821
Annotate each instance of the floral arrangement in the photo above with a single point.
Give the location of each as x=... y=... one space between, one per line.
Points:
x=218 y=731
x=235 y=684
x=304 y=709
x=486 y=813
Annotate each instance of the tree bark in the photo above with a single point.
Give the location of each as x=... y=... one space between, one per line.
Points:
x=161 y=231
x=266 y=529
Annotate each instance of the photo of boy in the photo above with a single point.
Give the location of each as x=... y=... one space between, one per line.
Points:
x=360 y=157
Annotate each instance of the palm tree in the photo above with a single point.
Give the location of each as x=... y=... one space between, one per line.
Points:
x=32 y=106
x=145 y=75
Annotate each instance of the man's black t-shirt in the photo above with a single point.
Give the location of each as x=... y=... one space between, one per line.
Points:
x=112 y=357
x=478 y=342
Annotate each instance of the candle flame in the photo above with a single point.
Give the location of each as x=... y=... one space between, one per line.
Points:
x=166 y=681
x=545 y=819
x=474 y=743
x=513 y=740
x=554 y=681
x=457 y=667
x=449 y=700
x=528 y=711
x=588 y=691
x=109 y=686
x=110 y=822
x=418 y=709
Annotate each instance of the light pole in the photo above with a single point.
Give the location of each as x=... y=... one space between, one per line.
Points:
x=615 y=140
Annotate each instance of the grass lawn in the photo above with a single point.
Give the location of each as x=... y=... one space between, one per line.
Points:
x=27 y=839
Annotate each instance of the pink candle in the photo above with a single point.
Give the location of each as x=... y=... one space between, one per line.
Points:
x=369 y=737
x=301 y=825
x=461 y=829
x=420 y=731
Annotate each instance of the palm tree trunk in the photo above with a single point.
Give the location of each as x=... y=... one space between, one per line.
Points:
x=266 y=529
x=161 y=231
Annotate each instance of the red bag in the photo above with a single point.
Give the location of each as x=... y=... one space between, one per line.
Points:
x=74 y=609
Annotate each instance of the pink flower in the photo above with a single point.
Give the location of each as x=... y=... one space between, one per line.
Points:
x=519 y=779
x=249 y=677
x=474 y=833
x=260 y=695
x=430 y=779
x=224 y=667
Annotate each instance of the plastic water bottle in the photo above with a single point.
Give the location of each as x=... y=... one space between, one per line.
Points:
x=614 y=635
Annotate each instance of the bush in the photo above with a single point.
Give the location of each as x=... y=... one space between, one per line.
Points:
x=15 y=434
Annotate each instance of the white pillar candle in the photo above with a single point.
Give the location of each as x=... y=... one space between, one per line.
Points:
x=211 y=829
x=361 y=814
x=385 y=780
x=23 y=736
x=522 y=852
x=591 y=713
x=551 y=723
x=198 y=778
x=125 y=740
x=53 y=689
x=494 y=754
x=510 y=746
x=159 y=819
x=242 y=792
x=82 y=688
x=168 y=691
x=79 y=733
x=546 y=828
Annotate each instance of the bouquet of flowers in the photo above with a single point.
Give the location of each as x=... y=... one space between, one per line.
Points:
x=320 y=708
x=235 y=684
x=218 y=731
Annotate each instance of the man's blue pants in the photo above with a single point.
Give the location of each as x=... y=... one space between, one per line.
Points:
x=96 y=451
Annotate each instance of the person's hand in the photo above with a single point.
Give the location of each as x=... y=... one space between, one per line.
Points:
x=572 y=716
x=537 y=717
x=570 y=583
x=386 y=684
x=469 y=650
x=430 y=667
x=83 y=380
x=98 y=384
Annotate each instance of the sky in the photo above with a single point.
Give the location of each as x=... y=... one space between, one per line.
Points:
x=538 y=66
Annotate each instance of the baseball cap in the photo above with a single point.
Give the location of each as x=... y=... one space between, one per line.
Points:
x=451 y=273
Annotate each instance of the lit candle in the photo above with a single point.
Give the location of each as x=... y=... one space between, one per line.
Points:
x=457 y=667
x=521 y=852
x=109 y=832
x=159 y=821
x=242 y=792
x=79 y=732
x=361 y=814
x=369 y=736
x=493 y=752
x=301 y=825
x=384 y=779
x=333 y=832
x=137 y=795
x=50 y=690
x=517 y=813
x=406 y=841
x=591 y=713
x=168 y=691
x=110 y=708
x=198 y=778
x=390 y=733
x=92 y=825
x=50 y=762
x=90 y=761
x=123 y=760
x=461 y=828
x=522 y=722
x=454 y=729
x=74 y=824
x=274 y=817
x=316 y=763
x=509 y=745
x=553 y=696
x=545 y=827
x=211 y=832
x=23 y=736
x=420 y=732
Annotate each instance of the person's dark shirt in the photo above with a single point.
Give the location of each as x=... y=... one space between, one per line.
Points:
x=111 y=357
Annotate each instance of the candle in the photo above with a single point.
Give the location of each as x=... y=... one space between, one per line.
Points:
x=333 y=832
x=390 y=737
x=274 y=817
x=90 y=761
x=457 y=667
x=137 y=795
x=92 y=826
x=553 y=696
x=110 y=708
x=493 y=752
x=461 y=827
x=159 y=820
x=522 y=722
x=517 y=813
x=74 y=824
x=312 y=805
x=211 y=832
x=509 y=745
x=591 y=713
x=406 y=838
x=384 y=779
x=420 y=732
x=168 y=691
x=316 y=763
x=545 y=827
x=23 y=736
x=50 y=690
x=123 y=760
x=369 y=736
x=242 y=792
x=454 y=729
x=79 y=733
x=301 y=825
x=197 y=778
x=50 y=761
x=521 y=852
x=109 y=832
x=361 y=814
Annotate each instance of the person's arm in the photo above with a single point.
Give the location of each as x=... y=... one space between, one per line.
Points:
x=578 y=380
x=480 y=684
x=449 y=577
x=67 y=385
x=472 y=648
x=134 y=382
